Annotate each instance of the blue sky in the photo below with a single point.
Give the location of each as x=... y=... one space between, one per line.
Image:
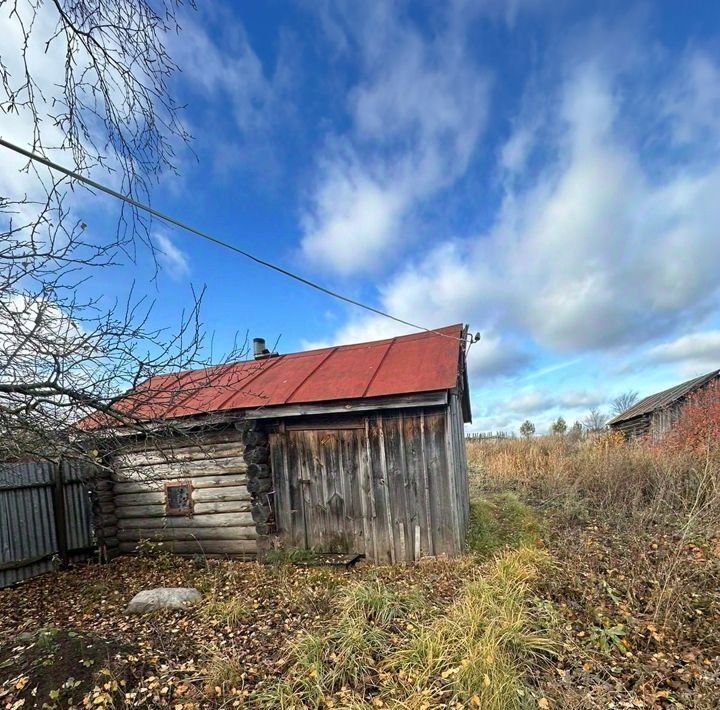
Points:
x=546 y=171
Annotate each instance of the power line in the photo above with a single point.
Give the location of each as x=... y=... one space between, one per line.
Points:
x=215 y=240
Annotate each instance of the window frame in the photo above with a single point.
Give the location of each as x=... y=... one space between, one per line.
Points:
x=187 y=511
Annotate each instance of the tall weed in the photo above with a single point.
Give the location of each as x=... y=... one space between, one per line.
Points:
x=630 y=482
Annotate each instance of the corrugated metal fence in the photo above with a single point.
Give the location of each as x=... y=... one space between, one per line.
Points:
x=45 y=517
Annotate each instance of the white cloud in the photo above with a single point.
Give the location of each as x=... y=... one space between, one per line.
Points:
x=596 y=252
x=493 y=356
x=352 y=220
x=239 y=102
x=692 y=349
x=228 y=66
x=693 y=101
x=170 y=257
x=417 y=113
x=516 y=150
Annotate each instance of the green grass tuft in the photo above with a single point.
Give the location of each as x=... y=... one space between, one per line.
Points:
x=499 y=522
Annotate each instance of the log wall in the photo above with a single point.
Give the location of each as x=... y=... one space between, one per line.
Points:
x=221 y=522
x=105 y=528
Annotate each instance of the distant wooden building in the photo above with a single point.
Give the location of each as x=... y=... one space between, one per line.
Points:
x=657 y=414
x=350 y=449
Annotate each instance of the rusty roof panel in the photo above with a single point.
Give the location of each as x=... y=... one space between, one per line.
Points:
x=278 y=380
x=664 y=398
x=412 y=363
x=346 y=372
x=423 y=362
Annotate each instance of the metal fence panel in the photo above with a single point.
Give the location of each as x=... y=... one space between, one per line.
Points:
x=29 y=542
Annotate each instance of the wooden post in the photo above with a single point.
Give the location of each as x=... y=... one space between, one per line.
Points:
x=59 y=514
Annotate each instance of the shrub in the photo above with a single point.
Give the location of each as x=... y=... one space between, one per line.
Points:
x=698 y=426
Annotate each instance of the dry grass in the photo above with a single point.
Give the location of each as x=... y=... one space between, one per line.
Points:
x=635 y=533
x=384 y=647
x=479 y=651
x=634 y=482
x=600 y=557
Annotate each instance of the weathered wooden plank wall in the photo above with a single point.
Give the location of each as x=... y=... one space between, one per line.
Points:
x=390 y=485
x=221 y=522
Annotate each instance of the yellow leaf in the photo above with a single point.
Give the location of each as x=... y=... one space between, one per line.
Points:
x=543 y=704
x=475 y=701
x=486 y=680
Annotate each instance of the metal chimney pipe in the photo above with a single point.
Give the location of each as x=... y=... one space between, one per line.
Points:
x=259 y=349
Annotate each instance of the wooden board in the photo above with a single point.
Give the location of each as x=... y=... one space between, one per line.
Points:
x=158 y=509
x=199 y=495
x=210 y=520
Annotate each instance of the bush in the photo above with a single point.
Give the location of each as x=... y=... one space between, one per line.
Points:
x=698 y=426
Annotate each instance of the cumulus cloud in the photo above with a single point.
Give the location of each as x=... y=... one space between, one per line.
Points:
x=601 y=248
x=689 y=349
x=416 y=114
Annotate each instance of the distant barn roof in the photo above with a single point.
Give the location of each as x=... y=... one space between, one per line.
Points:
x=664 y=398
x=409 y=364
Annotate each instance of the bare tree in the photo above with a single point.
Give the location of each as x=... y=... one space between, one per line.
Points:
x=595 y=421
x=64 y=357
x=623 y=402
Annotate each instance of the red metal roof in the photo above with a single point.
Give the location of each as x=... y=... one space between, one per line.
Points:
x=422 y=362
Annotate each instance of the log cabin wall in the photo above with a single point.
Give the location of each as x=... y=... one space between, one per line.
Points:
x=220 y=521
x=105 y=528
x=390 y=485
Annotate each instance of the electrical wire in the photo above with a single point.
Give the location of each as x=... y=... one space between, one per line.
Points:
x=208 y=237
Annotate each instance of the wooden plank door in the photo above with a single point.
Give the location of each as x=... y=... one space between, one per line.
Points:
x=325 y=473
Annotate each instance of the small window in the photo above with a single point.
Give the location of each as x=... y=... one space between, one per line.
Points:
x=178 y=498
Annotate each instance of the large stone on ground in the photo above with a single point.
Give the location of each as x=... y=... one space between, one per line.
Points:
x=163 y=598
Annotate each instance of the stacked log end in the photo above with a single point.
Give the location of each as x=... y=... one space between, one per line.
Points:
x=260 y=484
x=103 y=514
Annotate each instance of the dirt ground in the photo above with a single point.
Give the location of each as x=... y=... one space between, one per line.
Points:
x=631 y=615
x=66 y=642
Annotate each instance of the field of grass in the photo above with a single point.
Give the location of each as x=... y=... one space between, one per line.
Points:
x=634 y=533
x=591 y=580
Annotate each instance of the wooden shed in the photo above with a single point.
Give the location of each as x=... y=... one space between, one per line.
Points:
x=657 y=414
x=354 y=449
